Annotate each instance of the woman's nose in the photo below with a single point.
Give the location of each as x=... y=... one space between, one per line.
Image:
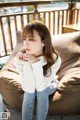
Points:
x=26 y=43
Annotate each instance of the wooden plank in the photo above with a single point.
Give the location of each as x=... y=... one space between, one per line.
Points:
x=49 y=21
x=77 y=15
x=3 y=36
x=9 y=32
x=62 y=22
x=28 y=18
x=67 y=17
x=15 y=22
x=53 y=23
x=44 y=18
x=73 y=16
x=12 y=4
x=62 y=17
x=38 y=16
x=24 y=3
x=58 y=26
x=22 y=24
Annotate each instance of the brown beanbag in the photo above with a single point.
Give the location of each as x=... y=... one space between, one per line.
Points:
x=10 y=86
x=67 y=99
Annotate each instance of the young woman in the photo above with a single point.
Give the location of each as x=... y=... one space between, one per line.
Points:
x=37 y=64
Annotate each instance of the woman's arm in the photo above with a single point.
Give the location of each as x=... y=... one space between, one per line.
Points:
x=26 y=75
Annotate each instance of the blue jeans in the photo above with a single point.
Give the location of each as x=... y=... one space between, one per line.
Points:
x=42 y=103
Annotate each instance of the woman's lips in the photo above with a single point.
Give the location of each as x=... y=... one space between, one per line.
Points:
x=27 y=49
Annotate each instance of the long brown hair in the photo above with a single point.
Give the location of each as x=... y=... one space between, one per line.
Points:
x=45 y=35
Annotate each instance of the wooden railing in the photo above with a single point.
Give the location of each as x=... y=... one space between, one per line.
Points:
x=53 y=19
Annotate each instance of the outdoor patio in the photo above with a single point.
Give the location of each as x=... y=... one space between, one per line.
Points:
x=55 y=20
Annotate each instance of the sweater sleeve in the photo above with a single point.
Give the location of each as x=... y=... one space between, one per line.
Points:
x=29 y=81
x=26 y=75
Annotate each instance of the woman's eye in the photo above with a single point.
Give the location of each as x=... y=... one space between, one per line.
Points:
x=24 y=39
x=30 y=39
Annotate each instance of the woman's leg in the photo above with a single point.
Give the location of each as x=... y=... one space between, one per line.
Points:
x=28 y=106
x=42 y=105
x=43 y=101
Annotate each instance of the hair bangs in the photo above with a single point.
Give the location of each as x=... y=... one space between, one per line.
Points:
x=28 y=29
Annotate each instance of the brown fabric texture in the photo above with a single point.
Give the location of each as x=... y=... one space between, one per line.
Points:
x=10 y=86
x=67 y=98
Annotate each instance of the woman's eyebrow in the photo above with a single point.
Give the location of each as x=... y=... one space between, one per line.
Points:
x=31 y=36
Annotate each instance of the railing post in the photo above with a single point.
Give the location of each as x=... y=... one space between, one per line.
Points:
x=35 y=7
x=36 y=12
x=71 y=7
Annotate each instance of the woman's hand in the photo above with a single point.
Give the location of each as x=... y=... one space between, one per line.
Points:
x=19 y=55
x=30 y=58
x=27 y=57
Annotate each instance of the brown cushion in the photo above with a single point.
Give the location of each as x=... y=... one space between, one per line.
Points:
x=10 y=86
x=67 y=99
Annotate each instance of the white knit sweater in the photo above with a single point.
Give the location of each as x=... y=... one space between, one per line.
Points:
x=32 y=77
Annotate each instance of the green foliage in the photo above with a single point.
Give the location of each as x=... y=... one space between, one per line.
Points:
x=2 y=0
x=30 y=8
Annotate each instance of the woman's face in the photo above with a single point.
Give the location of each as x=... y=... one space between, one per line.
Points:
x=33 y=44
